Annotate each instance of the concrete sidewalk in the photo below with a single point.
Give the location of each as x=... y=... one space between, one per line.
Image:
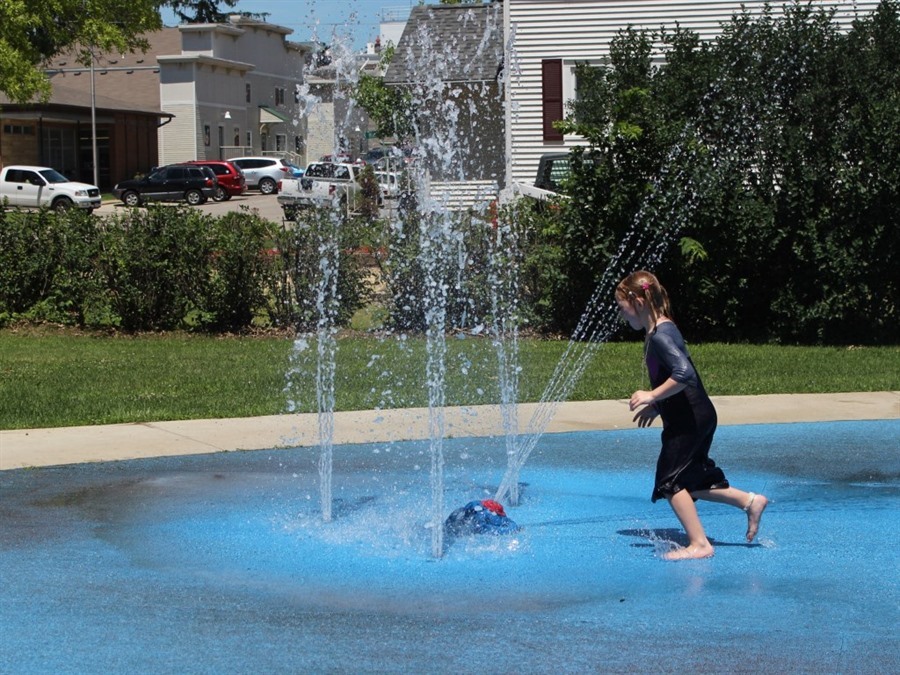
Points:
x=68 y=445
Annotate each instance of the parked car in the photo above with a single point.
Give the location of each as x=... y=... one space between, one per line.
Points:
x=391 y=158
x=374 y=155
x=340 y=158
x=555 y=169
x=389 y=182
x=172 y=183
x=230 y=178
x=323 y=183
x=262 y=173
x=37 y=186
x=296 y=171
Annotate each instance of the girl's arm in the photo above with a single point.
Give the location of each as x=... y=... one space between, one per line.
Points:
x=668 y=388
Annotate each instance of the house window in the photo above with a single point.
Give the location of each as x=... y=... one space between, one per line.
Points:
x=280 y=142
x=237 y=136
x=279 y=95
x=18 y=129
x=552 y=97
x=248 y=92
x=249 y=143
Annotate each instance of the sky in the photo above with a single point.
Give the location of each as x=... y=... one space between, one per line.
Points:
x=320 y=19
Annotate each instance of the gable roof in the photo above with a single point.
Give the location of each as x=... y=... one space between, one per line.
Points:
x=458 y=43
x=127 y=81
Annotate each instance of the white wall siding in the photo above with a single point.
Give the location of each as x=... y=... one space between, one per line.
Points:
x=320 y=140
x=581 y=30
x=178 y=140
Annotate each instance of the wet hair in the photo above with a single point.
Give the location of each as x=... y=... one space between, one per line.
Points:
x=645 y=286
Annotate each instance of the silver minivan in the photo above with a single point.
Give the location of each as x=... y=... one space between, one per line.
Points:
x=263 y=173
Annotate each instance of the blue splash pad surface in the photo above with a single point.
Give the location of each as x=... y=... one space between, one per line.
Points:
x=220 y=563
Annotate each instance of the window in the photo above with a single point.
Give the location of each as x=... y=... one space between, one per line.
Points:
x=254 y=163
x=237 y=135
x=279 y=95
x=18 y=129
x=552 y=97
x=22 y=176
x=280 y=142
x=248 y=93
x=249 y=143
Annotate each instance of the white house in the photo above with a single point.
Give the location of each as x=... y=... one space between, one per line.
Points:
x=545 y=40
x=232 y=91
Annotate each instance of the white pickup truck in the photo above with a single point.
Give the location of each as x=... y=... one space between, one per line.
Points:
x=322 y=184
x=40 y=186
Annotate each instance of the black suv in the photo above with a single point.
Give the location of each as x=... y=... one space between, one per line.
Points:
x=173 y=183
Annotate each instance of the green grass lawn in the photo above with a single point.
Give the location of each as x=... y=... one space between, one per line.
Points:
x=61 y=378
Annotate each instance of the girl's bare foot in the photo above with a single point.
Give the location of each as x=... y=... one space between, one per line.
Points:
x=692 y=552
x=754 y=509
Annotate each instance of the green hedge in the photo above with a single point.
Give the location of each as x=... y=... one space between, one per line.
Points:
x=167 y=268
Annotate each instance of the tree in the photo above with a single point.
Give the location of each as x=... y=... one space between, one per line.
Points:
x=31 y=32
x=201 y=11
x=389 y=107
x=765 y=152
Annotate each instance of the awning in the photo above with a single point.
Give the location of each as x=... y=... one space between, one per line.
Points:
x=269 y=115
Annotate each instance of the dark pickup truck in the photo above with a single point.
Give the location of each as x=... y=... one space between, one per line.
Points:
x=553 y=169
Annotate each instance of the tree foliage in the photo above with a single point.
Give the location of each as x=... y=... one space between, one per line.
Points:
x=389 y=108
x=33 y=32
x=792 y=127
x=201 y=11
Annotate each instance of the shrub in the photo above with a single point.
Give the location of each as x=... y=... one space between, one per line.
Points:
x=47 y=267
x=156 y=263
x=239 y=268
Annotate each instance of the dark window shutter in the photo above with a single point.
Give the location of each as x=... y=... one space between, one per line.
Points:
x=552 y=96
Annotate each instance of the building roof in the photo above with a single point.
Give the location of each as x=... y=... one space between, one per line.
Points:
x=121 y=81
x=458 y=43
x=80 y=97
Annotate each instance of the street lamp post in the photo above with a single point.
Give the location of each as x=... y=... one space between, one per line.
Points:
x=94 y=123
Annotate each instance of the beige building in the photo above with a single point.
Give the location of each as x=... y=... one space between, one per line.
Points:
x=233 y=90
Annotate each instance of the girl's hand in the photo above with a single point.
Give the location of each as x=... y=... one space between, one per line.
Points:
x=640 y=398
x=645 y=416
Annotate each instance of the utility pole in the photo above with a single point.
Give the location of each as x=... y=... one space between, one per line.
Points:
x=94 y=123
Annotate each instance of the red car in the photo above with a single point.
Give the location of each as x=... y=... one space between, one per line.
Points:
x=231 y=178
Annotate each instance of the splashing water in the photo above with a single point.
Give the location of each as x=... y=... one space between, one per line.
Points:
x=444 y=257
x=642 y=247
x=700 y=157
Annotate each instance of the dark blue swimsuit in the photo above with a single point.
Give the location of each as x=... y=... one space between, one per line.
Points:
x=689 y=419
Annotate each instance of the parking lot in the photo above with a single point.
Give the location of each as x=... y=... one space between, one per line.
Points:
x=266 y=205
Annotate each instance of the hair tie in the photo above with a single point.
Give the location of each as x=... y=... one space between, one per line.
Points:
x=645 y=285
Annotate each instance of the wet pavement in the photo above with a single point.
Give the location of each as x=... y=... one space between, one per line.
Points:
x=220 y=562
